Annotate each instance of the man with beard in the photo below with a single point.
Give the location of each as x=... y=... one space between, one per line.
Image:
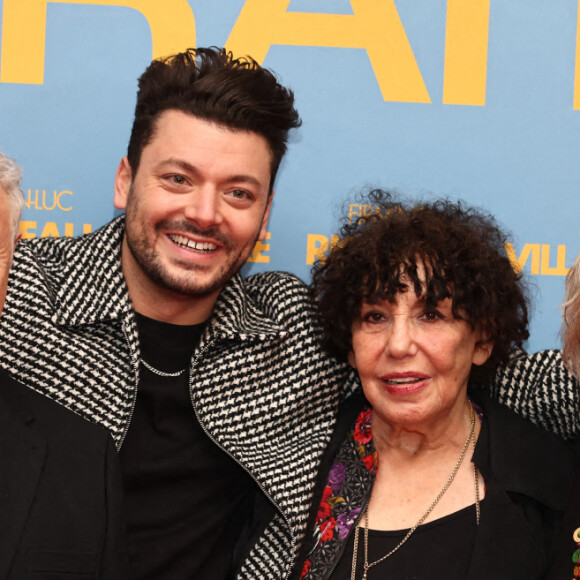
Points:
x=60 y=487
x=146 y=327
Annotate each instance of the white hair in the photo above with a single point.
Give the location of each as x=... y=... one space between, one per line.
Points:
x=571 y=330
x=10 y=180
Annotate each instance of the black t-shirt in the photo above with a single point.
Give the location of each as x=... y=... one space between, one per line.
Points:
x=186 y=499
x=439 y=549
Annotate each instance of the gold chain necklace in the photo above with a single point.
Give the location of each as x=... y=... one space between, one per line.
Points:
x=367 y=566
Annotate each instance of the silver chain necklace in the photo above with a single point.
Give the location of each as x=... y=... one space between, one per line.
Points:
x=158 y=372
x=367 y=566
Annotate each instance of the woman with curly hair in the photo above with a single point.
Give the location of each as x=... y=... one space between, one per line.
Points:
x=427 y=477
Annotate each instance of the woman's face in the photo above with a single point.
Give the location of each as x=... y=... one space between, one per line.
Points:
x=414 y=362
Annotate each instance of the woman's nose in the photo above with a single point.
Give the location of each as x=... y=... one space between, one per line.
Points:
x=400 y=339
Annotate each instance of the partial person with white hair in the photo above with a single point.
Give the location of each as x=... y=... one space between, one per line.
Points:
x=571 y=330
x=11 y=202
x=60 y=489
x=567 y=562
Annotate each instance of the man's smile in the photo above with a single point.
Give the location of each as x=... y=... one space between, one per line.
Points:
x=185 y=242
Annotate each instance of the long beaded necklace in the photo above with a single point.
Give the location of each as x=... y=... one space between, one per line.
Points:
x=367 y=565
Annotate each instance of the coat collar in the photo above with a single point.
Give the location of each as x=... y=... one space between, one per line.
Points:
x=93 y=290
x=22 y=454
x=237 y=314
x=92 y=285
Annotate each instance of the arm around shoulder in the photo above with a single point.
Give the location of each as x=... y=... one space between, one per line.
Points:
x=540 y=388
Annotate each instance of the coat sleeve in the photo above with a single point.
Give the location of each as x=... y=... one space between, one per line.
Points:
x=114 y=558
x=540 y=388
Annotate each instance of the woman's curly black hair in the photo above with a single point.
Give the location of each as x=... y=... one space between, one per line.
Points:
x=442 y=249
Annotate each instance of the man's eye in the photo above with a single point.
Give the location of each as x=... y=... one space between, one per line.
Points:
x=179 y=179
x=239 y=194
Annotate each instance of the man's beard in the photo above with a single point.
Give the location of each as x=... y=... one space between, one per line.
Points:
x=184 y=280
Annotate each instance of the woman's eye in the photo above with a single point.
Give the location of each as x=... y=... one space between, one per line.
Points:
x=431 y=316
x=373 y=317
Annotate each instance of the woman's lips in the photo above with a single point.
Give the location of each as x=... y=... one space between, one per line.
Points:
x=404 y=383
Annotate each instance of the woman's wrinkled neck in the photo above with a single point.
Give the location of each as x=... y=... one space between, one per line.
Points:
x=439 y=434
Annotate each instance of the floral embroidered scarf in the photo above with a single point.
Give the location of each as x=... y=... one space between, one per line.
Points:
x=346 y=492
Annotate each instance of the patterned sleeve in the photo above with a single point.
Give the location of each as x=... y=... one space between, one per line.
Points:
x=539 y=387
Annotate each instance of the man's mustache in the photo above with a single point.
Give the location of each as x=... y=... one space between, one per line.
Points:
x=187 y=227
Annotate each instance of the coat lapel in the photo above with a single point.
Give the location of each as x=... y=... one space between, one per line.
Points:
x=508 y=543
x=22 y=453
x=505 y=546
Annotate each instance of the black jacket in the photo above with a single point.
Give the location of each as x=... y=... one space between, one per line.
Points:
x=528 y=476
x=60 y=492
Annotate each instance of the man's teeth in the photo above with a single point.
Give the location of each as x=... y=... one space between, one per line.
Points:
x=192 y=245
x=408 y=381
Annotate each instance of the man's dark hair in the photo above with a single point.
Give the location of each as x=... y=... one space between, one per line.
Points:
x=211 y=85
x=439 y=250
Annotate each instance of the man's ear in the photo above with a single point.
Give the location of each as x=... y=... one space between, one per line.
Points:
x=123 y=181
x=17 y=237
x=265 y=218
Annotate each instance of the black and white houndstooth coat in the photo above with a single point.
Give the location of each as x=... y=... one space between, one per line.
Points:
x=260 y=385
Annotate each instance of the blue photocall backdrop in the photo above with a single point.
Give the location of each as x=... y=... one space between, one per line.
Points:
x=469 y=99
